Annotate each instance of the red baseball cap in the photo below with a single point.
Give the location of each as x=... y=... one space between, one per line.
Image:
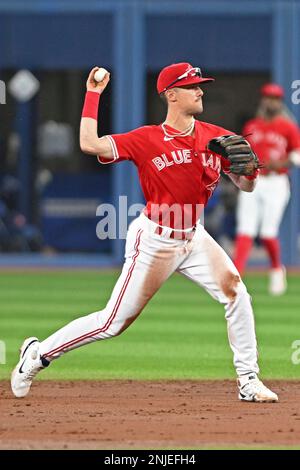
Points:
x=179 y=74
x=272 y=89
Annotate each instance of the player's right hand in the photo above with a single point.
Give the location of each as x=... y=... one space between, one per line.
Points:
x=92 y=85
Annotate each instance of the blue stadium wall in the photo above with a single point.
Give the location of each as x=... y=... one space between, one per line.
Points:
x=133 y=37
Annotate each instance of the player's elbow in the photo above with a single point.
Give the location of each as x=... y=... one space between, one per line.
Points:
x=86 y=147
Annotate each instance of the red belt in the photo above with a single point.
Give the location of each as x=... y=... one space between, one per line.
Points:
x=177 y=235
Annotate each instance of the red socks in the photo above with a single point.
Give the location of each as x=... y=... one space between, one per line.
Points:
x=243 y=245
x=273 y=248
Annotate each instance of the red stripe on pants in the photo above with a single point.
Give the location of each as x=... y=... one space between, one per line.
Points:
x=114 y=311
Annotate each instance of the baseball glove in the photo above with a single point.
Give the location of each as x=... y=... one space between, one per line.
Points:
x=236 y=149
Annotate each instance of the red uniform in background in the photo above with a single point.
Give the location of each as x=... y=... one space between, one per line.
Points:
x=276 y=140
x=272 y=140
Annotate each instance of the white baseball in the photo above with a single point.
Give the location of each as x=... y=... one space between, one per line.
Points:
x=100 y=74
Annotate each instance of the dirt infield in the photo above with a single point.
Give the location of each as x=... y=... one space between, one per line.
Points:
x=146 y=415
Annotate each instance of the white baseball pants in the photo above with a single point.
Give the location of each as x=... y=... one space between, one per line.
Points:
x=150 y=259
x=260 y=212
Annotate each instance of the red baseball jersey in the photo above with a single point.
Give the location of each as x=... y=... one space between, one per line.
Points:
x=174 y=172
x=272 y=140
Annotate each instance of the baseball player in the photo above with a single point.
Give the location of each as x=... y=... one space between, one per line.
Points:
x=179 y=164
x=275 y=138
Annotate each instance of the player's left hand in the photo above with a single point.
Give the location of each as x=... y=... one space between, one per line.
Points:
x=235 y=148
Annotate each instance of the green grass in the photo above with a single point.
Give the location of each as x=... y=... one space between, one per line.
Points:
x=181 y=334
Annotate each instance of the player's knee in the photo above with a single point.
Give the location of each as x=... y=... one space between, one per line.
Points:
x=241 y=289
x=233 y=286
x=242 y=297
x=114 y=330
x=118 y=327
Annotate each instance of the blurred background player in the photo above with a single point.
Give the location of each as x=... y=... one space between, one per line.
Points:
x=275 y=138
